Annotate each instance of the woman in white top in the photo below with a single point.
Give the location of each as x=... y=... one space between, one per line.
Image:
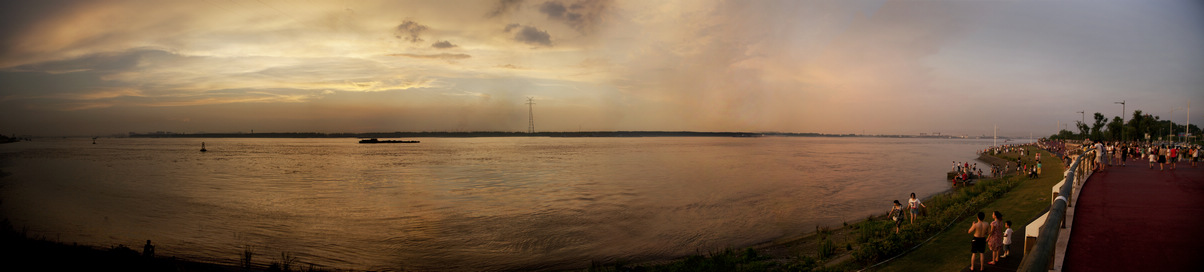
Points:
x=914 y=205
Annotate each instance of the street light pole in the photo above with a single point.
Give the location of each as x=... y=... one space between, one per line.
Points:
x=1122 y=119
x=1170 y=136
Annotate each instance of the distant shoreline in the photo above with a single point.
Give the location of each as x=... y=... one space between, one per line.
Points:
x=477 y=134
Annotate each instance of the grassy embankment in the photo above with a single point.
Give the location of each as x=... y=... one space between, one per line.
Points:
x=948 y=251
x=858 y=245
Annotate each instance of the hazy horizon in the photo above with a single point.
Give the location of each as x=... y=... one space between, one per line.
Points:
x=832 y=67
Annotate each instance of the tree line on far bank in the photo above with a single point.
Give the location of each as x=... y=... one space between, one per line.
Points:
x=1135 y=129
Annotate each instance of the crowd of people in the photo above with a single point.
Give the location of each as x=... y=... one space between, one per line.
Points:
x=1165 y=155
x=1031 y=169
x=964 y=171
x=1025 y=163
x=997 y=234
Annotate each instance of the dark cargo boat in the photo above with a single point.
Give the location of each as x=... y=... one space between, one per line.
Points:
x=375 y=141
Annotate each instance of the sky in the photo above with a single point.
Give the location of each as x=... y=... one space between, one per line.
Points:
x=866 y=67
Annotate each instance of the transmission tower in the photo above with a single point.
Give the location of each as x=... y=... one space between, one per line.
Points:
x=530 y=115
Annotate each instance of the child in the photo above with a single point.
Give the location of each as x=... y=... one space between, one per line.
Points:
x=1007 y=239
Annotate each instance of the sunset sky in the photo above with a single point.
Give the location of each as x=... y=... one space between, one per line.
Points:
x=878 y=67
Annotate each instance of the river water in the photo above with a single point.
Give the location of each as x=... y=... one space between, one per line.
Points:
x=459 y=203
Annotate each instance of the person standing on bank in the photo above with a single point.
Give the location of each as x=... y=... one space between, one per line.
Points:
x=1162 y=153
x=1195 y=155
x=148 y=250
x=995 y=238
x=914 y=205
x=896 y=214
x=978 y=244
x=1174 y=158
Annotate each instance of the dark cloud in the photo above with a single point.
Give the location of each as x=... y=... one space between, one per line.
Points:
x=76 y=76
x=17 y=17
x=444 y=45
x=511 y=66
x=410 y=31
x=533 y=35
x=530 y=35
x=443 y=56
x=582 y=15
x=504 y=6
x=554 y=10
x=94 y=81
x=106 y=62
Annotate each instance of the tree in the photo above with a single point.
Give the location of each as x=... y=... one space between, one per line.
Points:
x=1115 y=128
x=1064 y=135
x=1153 y=126
x=1082 y=129
x=1097 y=127
x=1135 y=130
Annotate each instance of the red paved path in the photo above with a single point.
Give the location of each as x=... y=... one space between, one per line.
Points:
x=1135 y=219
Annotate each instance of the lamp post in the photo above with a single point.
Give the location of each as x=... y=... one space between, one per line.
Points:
x=1122 y=120
x=1170 y=136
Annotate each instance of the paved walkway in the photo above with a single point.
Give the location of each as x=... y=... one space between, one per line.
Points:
x=1133 y=218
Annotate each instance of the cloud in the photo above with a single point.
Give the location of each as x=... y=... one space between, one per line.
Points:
x=442 y=56
x=410 y=31
x=530 y=35
x=103 y=93
x=444 y=45
x=554 y=10
x=504 y=7
x=107 y=61
x=157 y=78
x=582 y=15
x=390 y=84
x=511 y=66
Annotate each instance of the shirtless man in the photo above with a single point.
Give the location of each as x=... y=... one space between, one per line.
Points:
x=977 y=246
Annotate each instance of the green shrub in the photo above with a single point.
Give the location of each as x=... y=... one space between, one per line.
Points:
x=803 y=263
x=826 y=249
x=723 y=260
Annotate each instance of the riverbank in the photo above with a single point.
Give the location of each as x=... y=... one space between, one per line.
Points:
x=38 y=253
x=18 y=249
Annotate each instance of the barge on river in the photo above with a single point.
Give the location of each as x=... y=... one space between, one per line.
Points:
x=375 y=141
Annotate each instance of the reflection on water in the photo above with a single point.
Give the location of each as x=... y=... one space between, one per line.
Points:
x=455 y=204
